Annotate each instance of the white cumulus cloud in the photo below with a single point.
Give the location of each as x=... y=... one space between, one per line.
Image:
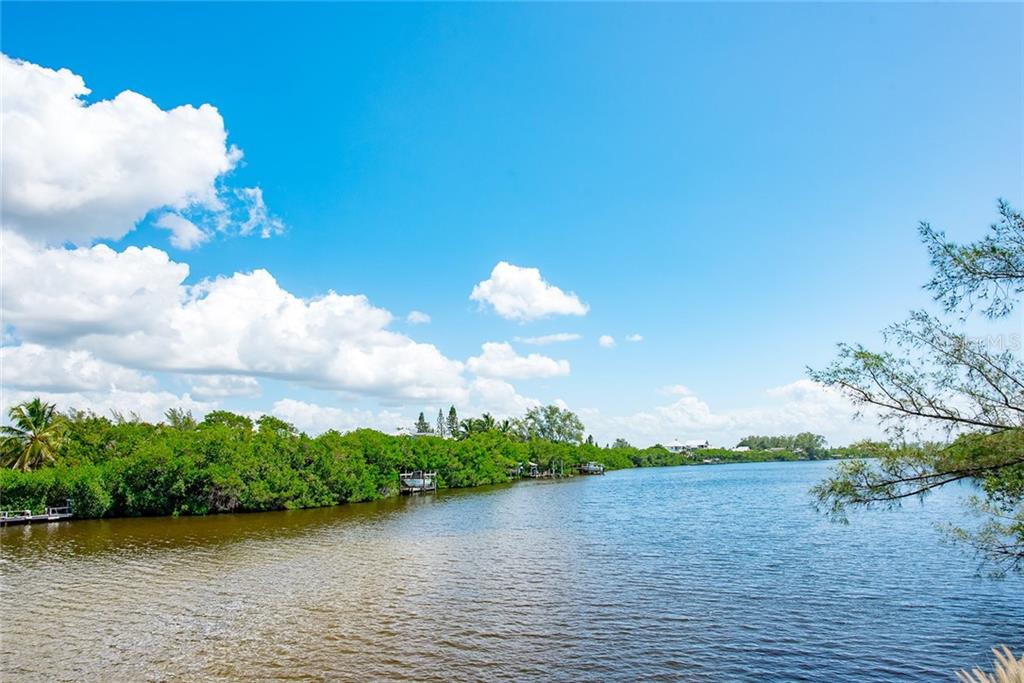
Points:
x=521 y=294
x=313 y=418
x=497 y=397
x=635 y=338
x=799 y=406
x=213 y=387
x=56 y=295
x=132 y=308
x=499 y=359
x=147 y=405
x=485 y=395
x=75 y=171
x=606 y=341
x=33 y=366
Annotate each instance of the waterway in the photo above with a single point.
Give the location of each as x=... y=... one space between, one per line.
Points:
x=717 y=573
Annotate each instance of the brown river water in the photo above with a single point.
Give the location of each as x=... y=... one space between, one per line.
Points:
x=718 y=573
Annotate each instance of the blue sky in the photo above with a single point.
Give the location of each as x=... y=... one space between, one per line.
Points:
x=739 y=184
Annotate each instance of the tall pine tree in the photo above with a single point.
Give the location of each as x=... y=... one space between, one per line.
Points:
x=453 y=422
x=440 y=428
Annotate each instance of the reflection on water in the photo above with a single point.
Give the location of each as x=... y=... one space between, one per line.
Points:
x=710 y=573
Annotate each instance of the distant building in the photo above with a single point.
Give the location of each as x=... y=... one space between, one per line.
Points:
x=678 y=446
x=741 y=449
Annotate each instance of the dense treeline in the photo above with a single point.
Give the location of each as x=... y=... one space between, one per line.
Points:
x=811 y=445
x=230 y=463
x=547 y=423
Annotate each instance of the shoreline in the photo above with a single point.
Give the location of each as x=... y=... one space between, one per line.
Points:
x=394 y=496
x=232 y=463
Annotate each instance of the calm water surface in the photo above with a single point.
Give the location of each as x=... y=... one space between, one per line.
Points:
x=697 y=574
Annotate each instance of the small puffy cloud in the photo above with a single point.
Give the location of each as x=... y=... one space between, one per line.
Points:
x=258 y=218
x=499 y=359
x=417 y=318
x=77 y=172
x=521 y=294
x=213 y=387
x=606 y=341
x=36 y=367
x=635 y=338
x=546 y=339
x=184 y=233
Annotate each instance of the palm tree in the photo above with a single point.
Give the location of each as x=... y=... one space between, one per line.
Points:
x=34 y=437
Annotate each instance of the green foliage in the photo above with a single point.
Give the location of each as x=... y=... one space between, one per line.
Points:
x=476 y=425
x=228 y=463
x=988 y=273
x=551 y=423
x=422 y=426
x=180 y=419
x=936 y=377
x=440 y=427
x=453 y=422
x=813 y=446
x=34 y=436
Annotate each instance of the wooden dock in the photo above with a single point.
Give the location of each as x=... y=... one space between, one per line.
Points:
x=417 y=482
x=55 y=514
x=555 y=471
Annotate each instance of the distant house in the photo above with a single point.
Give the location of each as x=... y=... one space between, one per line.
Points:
x=741 y=449
x=678 y=446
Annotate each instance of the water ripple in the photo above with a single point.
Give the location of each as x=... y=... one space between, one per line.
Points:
x=698 y=574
